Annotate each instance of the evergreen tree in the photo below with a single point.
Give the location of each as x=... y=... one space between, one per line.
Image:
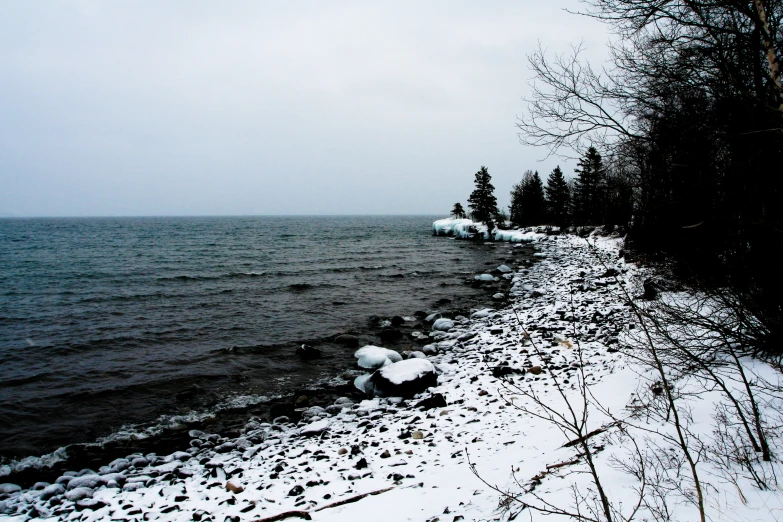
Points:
x=482 y=201
x=558 y=197
x=588 y=188
x=458 y=212
x=527 y=200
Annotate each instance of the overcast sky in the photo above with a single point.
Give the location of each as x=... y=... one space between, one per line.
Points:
x=325 y=107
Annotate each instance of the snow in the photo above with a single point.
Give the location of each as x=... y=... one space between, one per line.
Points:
x=407 y=370
x=443 y=324
x=576 y=332
x=485 y=277
x=457 y=227
x=373 y=357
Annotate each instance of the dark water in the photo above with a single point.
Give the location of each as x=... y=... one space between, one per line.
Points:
x=104 y=322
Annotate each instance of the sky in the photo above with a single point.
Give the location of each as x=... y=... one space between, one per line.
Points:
x=134 y=108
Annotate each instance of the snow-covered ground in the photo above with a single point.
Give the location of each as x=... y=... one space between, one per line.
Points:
x=499 y=371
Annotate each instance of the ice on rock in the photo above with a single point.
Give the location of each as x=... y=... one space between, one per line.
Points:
x=504 y=268
x=443 y=325
x=374 y=357
x=485 y=277
x=461 y=228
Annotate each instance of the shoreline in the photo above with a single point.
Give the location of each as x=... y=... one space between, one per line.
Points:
x=259 y=473
x=224 y=418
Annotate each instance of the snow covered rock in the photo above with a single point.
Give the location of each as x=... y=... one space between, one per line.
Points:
x=315 y=428
x=374 y=357
x=485 y=277
x=404 y=378
x=504 y=268
x=443 y=324
x=480 y=314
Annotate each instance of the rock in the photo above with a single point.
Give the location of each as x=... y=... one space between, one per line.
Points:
x=535 y=370
x=296 y=491
x=281 y=420
x=389 y=335
x=417 y=435
x=466 y=336
x=301 y=401
x=651 y=289
x=308 y=352
x=499 y=297
x=86 y=481
x=432 y=317
x=502 y=371
x=436 y=400
x=9 y=489
x=80 y=493
x=344 y=401
x=234 y=487
x=443 y=325
x=385 y=454
x=485 y=277
x=342 y=451
x=226 y=447
x=351 y=341
x=397 y=320
x=374 y=357
x=52 y=491
x=504 y=269
x=496 y=330
x=480 y=314
x=404 y=378
x=139 y=462
x=89 y=503
x=414 y=355
x=418 y=314
x=314 y=428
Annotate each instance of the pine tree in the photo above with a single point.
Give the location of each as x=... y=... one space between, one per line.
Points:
x=527 y=200
x=588 y=188
x=558 y=197
x=458 y=212
x=482 y=201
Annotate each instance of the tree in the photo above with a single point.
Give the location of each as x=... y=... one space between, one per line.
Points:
x=458 y=212
x=692 y=107
x=558 y=197
x=527 y=200
x=589 y=185
x=482 y=201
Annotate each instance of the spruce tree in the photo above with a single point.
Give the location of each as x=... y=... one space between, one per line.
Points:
x=482 y=201
x=527 y=200
x=588 y=188
x=458 y=212
x=558 y=197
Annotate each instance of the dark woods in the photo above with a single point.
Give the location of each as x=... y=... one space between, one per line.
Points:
x=689 y=119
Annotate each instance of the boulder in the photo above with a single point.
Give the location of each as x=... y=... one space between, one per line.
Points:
x=86 y=481
x=404 y=378
x=373 y=357
x=504 y=269
x=9 y=489
x=308 y=352
x=443 y=325
x=390 y=335
x=351 y=341
x=432 y=317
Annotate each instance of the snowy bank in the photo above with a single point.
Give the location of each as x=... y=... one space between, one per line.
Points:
x=467 y=229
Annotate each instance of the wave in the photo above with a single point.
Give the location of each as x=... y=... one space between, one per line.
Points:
x=137 y=432
x=230 y=275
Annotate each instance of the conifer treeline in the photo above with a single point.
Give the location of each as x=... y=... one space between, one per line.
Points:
x=597 y=195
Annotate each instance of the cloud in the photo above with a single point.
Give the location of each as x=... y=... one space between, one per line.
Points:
x=156 y=108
